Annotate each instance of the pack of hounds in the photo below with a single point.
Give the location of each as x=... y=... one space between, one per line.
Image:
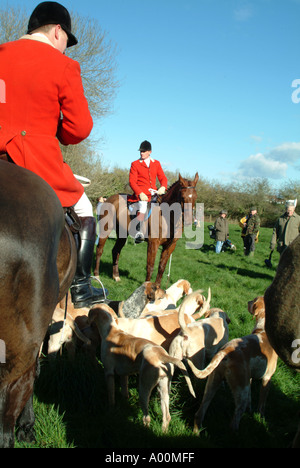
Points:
x=150 y=335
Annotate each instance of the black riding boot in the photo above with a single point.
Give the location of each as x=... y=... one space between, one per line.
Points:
x=82 y=292
x=139 y=237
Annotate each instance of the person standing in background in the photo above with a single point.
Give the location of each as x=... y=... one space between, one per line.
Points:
x=286 y=229
x=222 y=230
x=250 y=231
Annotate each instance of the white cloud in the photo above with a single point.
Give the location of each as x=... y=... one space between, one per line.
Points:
x=272 y=164
x=287 y=152
x=258 y=165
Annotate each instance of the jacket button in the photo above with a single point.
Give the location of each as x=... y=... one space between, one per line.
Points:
x=23 y=133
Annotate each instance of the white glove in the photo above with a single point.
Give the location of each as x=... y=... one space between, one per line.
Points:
x=143 y=196
x=161 y=191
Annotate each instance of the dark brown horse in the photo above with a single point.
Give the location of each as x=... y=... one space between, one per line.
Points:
x=282 y=299
x=32 y=231
x=164 y=225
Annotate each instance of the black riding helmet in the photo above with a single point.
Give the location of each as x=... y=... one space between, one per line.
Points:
x=52 y=13
x=145 y=146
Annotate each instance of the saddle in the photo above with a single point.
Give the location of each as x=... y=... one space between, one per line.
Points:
x=6 y=157
x=131 y=200
x=72 y=220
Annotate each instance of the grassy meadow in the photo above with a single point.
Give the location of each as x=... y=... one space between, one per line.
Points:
x=70 y=398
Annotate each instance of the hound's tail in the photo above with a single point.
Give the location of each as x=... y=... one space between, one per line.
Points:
x=190 y=305
x=205 y=307
x=79 y=333
x=202 y=374
x=181 y=366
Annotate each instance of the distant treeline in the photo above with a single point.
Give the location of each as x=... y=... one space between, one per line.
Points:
x=236 y=197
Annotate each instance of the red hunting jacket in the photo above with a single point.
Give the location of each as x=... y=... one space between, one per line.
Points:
x=142 y=177
x=38 y=85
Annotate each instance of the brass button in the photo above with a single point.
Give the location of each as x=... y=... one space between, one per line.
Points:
x=23 y=133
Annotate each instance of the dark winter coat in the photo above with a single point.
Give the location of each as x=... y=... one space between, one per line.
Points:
x=222 y=229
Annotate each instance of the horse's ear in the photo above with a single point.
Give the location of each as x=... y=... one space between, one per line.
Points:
x=180 y=178
x=196 y=178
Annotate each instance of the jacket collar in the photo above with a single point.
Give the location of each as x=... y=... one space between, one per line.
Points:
x=39 y=38
x=142 y=160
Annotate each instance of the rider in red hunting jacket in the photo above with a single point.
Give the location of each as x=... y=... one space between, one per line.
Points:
x=41 y=85
x=43 y=104
x=142 y=180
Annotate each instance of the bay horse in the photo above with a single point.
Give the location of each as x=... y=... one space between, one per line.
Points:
x=32 y=236
x=164 y=225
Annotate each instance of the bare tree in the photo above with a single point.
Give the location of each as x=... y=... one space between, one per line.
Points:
x=13 y=23
x=97 y=57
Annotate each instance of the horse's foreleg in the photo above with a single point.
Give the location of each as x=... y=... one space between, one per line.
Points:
x=12 y=401
x=99 y=252
x=165 y=255
x=116 y=255
x=6 y=432
x=25 y=423
x=151 y=255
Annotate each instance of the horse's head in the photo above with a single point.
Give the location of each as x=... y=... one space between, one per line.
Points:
x=188 y=197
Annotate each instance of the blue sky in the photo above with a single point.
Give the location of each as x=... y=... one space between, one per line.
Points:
x=207 y=82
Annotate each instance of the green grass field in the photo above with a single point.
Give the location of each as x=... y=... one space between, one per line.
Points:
x=70 y=397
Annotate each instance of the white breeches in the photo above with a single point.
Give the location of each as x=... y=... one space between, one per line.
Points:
x=83 y=207
x=142 y=206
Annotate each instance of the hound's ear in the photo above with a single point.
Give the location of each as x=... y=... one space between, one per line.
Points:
x=256 y=306
x=259 y=305
x=92 y=315
x=186 y=287
x=207 y=313
x=150 y=290
x=160 y=294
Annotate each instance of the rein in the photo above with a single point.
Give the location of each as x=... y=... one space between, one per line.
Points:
x=61 y=340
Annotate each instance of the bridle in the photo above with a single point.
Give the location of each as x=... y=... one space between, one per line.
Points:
x=189 y=187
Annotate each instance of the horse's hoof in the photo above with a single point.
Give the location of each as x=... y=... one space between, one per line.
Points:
x=26 y=434
x=117 y=278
